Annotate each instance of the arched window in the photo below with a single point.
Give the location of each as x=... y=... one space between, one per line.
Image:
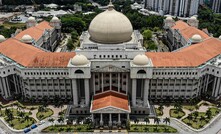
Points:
x=141 y=72
x=79 y=72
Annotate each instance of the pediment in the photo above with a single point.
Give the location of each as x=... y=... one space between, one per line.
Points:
x=110 y=109
x=110 y=68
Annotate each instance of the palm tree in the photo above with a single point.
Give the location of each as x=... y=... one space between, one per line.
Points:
x=61 y=119
x=196 y=113
x=201 y=119
x=26 y=118
x=51 y=120
x=160 y=108
x=147 y=120
x=196 y=107
x=41 y=108
x=157 y=121
x=190 y=117
x=208 y=113
x=166 y=120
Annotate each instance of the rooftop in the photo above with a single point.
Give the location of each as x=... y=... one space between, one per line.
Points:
x=110 y=99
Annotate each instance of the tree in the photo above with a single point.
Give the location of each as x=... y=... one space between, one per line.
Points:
x=196 y=114
x=202 y=118
x=147 y=34
x=61 y=119
x=208 y=113
x=70 y=44
x=160 y=108
x=41 y=109
x=147 y=120
x=51 y=120
x=26 y=118
x=190 y=117
x=156 y=121
x=196 y=107
x=74 y=35
x=166 y=120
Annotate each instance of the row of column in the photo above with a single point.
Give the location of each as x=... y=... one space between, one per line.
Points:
x=101 y=85
x=216 y=87
x=5 y=89
x=75 y=92
x=134 y=92
x=110 y=119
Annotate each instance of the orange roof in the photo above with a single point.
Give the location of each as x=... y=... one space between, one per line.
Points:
x=44 y=25
x=30 y=56
x=180 y=25
x=49 y=59
x=20 y=52
x=191 y=56
x=188 y=32
x=35 y=32
x=110 y=99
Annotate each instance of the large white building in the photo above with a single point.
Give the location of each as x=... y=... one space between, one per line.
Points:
x=111 y=76
x=182 y=8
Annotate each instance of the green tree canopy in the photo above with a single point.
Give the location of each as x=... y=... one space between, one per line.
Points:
x=147 y=34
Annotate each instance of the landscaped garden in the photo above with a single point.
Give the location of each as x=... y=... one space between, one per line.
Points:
x=200 y=119
x=17 y=119
x=69 y=128
x=44 y=113
x=152 y=128
x=176 y=113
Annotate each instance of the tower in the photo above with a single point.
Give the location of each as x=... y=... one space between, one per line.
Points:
x=193 y=21
x=31 y=22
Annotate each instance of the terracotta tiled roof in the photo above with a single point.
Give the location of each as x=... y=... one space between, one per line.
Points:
x=49 y=59
x=35 y=32
x=43 y=25
x=191 y=56
x=20 y=52
x=110 y=99
x=30 y=56
x=190 y=31
x=180 y=25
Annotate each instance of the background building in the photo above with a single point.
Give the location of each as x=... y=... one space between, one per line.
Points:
x=182 y=8
x=215 y=5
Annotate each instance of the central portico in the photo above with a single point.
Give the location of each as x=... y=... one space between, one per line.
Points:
x=110 y=108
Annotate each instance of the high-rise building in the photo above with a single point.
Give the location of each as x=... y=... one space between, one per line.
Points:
x=183 y=8
x=215 y=5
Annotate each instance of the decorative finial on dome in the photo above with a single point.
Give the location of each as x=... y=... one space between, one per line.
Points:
x=110 y=5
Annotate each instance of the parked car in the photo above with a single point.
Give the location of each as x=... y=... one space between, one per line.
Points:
x=27 y=130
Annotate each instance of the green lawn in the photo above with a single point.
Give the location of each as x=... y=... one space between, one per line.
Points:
x=14 y=112
x=175 y=114
x=158 y=112
x=152 y=128
x=195 y=123
x=20 y=123
x=42 y=115
x=17 y=25
x=189 y=107
x=68 y=128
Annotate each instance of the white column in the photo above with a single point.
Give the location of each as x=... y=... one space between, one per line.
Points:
x=119 y=121
x=5 y=87
x=207 y=83
x=214 y=87
x=93 y=79
x=110 y=120
x=1 y=87
x=102 y=81
x=128 y=117
x=217 y=87
x=15 y=83
x=127 y=79
x=92 y=117
x=118 y=81
x=87 y=96
x=101 y=120
x=75 y=93
x=8 y=88
x=134 y=92
x=110 y=81
x=146 y=89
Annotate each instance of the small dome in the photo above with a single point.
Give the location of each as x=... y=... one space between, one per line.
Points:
x=55 y=19
x=31 y=19
x=140 y=59
x=110 y=27
x=2 y=38
x=220 y=37
x=196 y=38
x=193 y=18
x=79 y=60
x=26 y=39
x=169 y=18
